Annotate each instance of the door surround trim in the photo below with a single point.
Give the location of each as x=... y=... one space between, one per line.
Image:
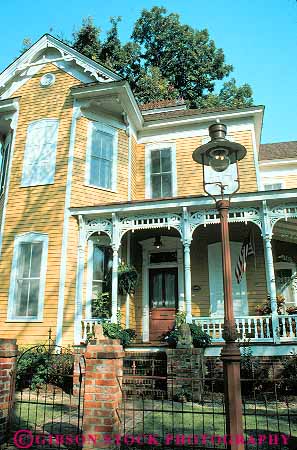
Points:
x=170 y=243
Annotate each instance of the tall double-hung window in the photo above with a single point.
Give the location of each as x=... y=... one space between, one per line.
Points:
x=101 y=156
x=28 y=277
x=160 y=171
x=40 y=153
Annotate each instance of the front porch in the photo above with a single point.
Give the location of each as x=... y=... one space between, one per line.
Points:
x=190 y=237
x=251 y=328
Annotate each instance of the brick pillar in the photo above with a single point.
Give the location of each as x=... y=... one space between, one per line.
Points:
x=104 y=368
x=8 y=355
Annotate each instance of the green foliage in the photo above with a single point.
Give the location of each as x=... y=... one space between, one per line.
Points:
x=265 y=309
x=127 y=279
x=180 y=318
x=115 y=331
x=199 y=337
x=86 y=39
x=101 y=306
x=289 y=374
x=183 y=394
x=164 y=59
x=40 y=365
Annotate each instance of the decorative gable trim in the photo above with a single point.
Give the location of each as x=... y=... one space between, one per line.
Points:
x=58 y=53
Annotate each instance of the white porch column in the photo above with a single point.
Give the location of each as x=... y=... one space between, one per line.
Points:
x=270 y=276
x=128 y=295
x=186 y=240
x=115 y=244
x=79 y=281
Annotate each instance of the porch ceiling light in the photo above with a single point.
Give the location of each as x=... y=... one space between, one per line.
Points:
x=219 y=152
x=158 y=242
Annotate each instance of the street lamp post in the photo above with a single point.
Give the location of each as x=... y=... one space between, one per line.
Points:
x=219 y=153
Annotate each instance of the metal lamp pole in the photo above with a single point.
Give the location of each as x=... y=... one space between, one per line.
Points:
x=219 y=153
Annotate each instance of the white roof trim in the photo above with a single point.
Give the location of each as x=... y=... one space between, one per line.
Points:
x=23 y=63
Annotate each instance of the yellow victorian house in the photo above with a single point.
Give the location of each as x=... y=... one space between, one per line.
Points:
x=89 y=180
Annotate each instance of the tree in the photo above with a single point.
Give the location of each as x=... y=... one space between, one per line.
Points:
x=165 y=59
x=86 y=40
x=186 y=57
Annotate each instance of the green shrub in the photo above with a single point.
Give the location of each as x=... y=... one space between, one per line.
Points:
x=101 y=306
x=115 y=331
x=289 y=374
x=200 y=338
x=40 y=365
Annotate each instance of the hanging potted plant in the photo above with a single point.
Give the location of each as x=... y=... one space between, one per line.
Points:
x=127 y=279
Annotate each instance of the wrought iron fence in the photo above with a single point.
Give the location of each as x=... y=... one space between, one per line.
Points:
x=47 y=407
x=189 y=412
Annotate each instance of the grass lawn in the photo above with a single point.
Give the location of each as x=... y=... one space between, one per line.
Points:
x=164 y=417
x=50 y=413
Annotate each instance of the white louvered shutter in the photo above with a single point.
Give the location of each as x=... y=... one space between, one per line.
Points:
x=40 y=153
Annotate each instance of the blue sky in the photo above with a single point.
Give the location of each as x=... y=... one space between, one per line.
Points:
x=258 y=38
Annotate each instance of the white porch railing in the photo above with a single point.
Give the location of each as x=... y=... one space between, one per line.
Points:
x=255 y=328
x=87 y=327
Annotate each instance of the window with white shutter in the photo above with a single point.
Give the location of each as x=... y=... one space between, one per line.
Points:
x=28 y=277
x=101 y=157
x=40 y=153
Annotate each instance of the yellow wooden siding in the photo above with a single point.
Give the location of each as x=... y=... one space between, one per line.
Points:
x=37 y=208
x=83 y=195
x=289 y=181
x=189 y=173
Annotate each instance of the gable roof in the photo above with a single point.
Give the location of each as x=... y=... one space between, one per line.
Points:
x=49 y=49
x=278 y=150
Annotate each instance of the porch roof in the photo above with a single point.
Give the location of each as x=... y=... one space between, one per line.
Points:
x=201 y=202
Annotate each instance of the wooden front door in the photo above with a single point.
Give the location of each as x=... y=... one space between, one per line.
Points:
x=163 y=301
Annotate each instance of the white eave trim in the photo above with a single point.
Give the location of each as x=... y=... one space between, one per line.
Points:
x=68 y=53
x=277 y=162
x=203 y=117
x=244 y=199
x=121 y=88
x=9 y=105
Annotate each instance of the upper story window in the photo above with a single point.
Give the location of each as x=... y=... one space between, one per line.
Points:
x=160 y=171
x=273 y=186
x=28 y=277
x=102 y=156
x=4 y=160
x=40 y=153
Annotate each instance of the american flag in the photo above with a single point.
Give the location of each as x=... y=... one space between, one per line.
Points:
x=247 y=249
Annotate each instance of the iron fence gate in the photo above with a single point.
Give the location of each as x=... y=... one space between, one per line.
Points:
x=46 y=409
x=190 y=413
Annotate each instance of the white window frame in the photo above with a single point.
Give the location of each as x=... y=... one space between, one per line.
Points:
x=28 y=238
x=24 y=182
x=159 y=146
x=269 y=182
x=114 y=132
x=102 y=241
x=4 y=170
